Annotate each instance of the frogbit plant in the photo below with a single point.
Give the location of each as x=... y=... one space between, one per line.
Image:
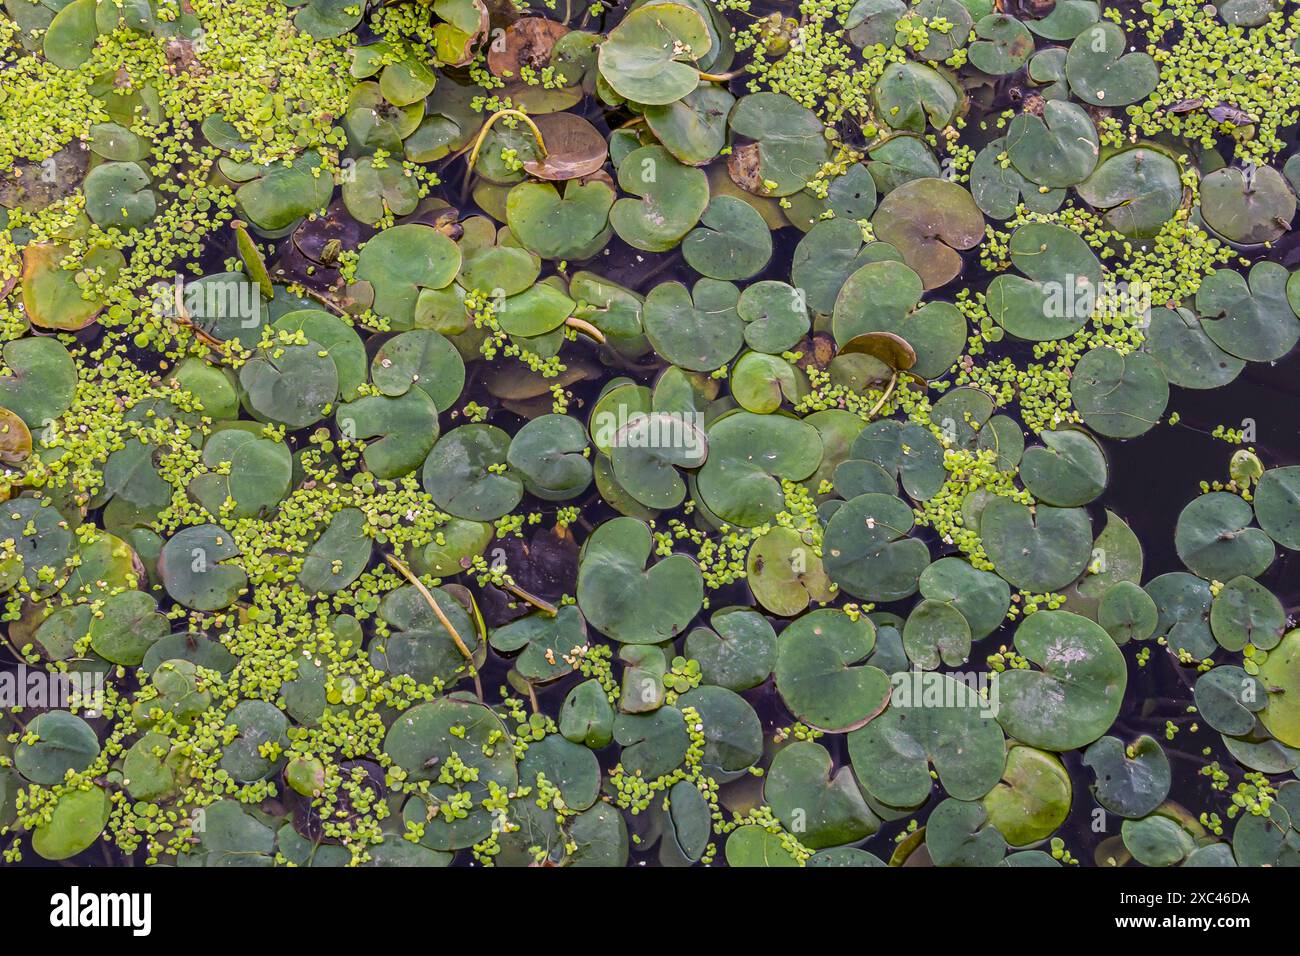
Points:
x=434 y=433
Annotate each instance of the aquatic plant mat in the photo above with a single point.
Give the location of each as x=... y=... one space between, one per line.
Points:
x=677 y=433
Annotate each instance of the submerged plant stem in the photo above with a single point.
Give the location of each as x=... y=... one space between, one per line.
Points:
x=461 y=646
x=482 y=135
x=889 y=390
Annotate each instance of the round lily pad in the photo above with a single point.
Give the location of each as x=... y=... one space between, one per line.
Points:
x=647 y=56
x=1077 y=694
x=737 y=651
x=672 y=198
x=1103 y=74
x=1067 y=470
x=819 y=673
x=911 y=96
x=1245 y=612
x=775 y=316
x=1120 y=396
x=1132 y=780
x=981 y=597
x=930 y=221
x=467 y=476
x=424 y=738
x=867 y=550
x=1032 y=799
x=932 y=720
x=560 y=224
x=1058 y=149
x=195 y=569
x=732 y=241
x=787 y=144
x=785 y=573
x=822 y=807
x=1277 y=505
x=75 y=823
x=1281 y=676
x=1189 y=358
x=749 y=455
x=628 y=601
x=1247 y=206
x=1250 y=318
x=1229 y=698
x=1214 y=538
x=696 y=329
x=62 y=743
x=401 y=262
x=1040 y=550
x=40 y=382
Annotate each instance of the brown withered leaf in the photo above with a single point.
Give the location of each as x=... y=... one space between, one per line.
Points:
x=526 y=42
x=743 y=166
x=574 y=148
x=1227 y=113
x=894 y=350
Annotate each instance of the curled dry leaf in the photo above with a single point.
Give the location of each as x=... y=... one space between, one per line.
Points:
x=889 y=348
x=574 y=148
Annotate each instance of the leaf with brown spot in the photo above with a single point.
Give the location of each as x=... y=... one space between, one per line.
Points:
x=15 y=438
x=929 y=221
x=51 y=296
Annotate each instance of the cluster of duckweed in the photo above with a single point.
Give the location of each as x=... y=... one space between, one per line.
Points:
x=635 y=793
x=969 y=472
x=813 y=63
x=1212 y=63
x=1005 y=658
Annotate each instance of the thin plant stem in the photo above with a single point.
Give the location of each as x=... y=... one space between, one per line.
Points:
x=544 y=606
x=461 y=646
x=583 y=326
x=482 y=135
x=721 y=77
x=893 y=380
